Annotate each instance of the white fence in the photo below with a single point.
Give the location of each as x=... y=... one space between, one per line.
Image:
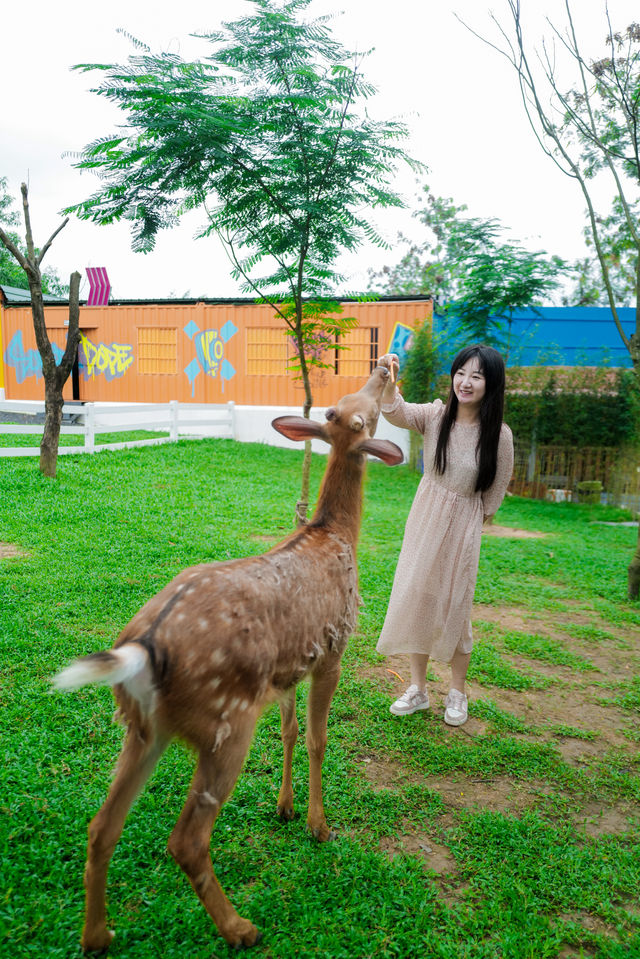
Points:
x=88 y=419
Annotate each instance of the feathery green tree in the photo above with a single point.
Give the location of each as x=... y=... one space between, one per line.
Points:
x=585 y=114
x=264 y=135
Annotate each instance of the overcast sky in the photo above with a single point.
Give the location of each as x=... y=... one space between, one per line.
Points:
x=458 y=97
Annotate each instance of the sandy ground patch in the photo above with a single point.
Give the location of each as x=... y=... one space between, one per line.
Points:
x=576 y=715
x=8 y=550
x=512 y=532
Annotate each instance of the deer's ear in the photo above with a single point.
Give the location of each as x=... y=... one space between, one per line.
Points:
x=385 y=450
x=299 y=428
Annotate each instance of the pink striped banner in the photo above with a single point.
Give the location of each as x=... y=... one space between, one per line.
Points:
x=99 y=286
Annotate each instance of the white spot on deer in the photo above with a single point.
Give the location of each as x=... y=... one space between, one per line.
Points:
x=204 y=625
x=207 y=799
x=217 y=657
x=215 y=682
x=222 y=733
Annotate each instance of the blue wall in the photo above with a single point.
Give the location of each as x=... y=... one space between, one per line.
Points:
x=568 y=336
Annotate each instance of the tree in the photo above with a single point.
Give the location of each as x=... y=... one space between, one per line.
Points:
x=589 y=126
x=55 y=375
x=419 y=375
x=620 y=254
x=11 y=273
x=477 y=278
x=264 y=136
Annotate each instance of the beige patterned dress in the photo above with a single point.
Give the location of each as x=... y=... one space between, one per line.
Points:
x=430 y=605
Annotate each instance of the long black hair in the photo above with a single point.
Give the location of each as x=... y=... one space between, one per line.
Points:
x=491 y=412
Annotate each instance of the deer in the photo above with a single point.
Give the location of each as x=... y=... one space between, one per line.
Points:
x=202 y=659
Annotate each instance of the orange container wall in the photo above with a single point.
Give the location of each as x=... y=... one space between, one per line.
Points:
x=200 y=352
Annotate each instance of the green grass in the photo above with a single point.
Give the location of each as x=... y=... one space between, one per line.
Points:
x=19 y=440
x=525 y=880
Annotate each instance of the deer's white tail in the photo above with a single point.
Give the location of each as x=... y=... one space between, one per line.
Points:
x=107 y=668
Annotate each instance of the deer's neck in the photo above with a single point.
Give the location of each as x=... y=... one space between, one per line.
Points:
x=340 y=497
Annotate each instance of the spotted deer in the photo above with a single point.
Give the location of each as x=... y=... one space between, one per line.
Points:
x=202 y=659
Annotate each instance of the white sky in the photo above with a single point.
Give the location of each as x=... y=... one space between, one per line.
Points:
x=459 y=98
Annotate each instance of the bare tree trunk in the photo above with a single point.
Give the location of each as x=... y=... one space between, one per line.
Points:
x=53 y=403
x=633 y=572
x=55 y=375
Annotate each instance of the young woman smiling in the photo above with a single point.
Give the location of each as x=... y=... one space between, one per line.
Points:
x=468 y=461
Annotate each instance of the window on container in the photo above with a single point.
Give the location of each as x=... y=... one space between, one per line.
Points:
x=157 y=349
x=266 y=351
x=361 y=357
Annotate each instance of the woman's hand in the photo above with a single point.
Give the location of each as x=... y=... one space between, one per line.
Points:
x=391 y=362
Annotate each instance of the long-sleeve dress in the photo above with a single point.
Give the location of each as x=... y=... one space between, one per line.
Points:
x=430 y=606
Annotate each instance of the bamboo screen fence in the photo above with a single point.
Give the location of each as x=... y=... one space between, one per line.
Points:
x=539 y=469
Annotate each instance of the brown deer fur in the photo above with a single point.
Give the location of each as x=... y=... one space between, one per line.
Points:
x=201 y=660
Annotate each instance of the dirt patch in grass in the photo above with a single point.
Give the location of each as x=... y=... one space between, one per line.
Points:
x=575 y=715
x=435 y=856
x=8 y=551
x=599 y=820
x=587 y=922
x=511 y=532
x=493 y=793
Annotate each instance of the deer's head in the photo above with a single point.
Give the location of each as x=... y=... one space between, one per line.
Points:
x=350 y=424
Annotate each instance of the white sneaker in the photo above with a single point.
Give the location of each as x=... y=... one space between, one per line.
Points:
x=455 y=713
x=410 y=702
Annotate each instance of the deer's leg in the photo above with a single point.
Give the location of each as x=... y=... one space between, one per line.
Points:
x=215 y=777
x=136 y=763
x=289 y=730
x=323 y=685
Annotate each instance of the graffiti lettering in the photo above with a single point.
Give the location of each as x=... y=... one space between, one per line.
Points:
x=209 y=346
x=210 y=350
x=29 y=362
x=112 y=361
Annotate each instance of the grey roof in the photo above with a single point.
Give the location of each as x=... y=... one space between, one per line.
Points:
x=15 y=296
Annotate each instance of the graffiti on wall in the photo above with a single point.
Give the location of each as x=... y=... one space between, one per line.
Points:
x=112 y=360
x=400 y=341
x=210 y=358
x=26 y=362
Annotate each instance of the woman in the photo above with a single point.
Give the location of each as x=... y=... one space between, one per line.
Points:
x=468 y=461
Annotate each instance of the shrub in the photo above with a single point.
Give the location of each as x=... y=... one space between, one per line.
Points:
x=573 y=407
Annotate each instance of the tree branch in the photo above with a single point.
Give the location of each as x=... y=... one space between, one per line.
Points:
x=31 y=250
x=69 y=355
x=14 y=251
x=50 y=241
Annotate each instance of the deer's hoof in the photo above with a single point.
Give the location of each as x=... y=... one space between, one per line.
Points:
x=322 y=833
x=243 y=934
x=97 y=940
x=286 y=813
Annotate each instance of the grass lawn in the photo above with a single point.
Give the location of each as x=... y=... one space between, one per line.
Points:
x=15 y=440
x=514 y=837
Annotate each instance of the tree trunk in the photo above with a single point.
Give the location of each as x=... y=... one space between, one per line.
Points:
x=303 y=503
x=53 y=403
x=633 y=572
